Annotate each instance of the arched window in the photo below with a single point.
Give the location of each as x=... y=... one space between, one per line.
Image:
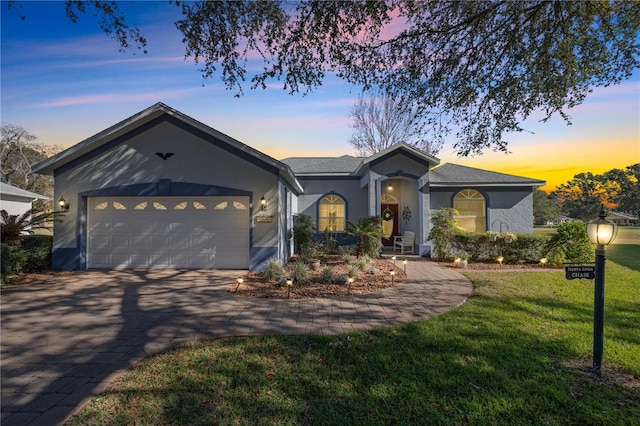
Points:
x=331 y=213
x=471 y=210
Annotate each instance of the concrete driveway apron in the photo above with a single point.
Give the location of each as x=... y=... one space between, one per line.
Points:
x=65 y=339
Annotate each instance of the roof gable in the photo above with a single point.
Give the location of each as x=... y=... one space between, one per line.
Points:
x=147 y=117
x=402 y=147
x=455 y=175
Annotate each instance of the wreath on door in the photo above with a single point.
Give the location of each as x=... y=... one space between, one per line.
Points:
x=387 y=214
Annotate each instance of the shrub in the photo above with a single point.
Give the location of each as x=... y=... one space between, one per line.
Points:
x=571 y=238
x=303 y=233
x=300 y=273
x=556 y=257
x=12 y=260
x=443 y=232
x=527 y=247
x=38 y=251
x=354 y=270
x=273 y=270
x=327 y=276
x=363 y=263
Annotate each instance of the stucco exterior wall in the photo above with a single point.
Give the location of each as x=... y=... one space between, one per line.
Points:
x=508 y=208
x=131 y=167
x=348 y=188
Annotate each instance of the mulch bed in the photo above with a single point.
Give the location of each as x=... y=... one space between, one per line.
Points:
x=496 y=267
x=365 y=282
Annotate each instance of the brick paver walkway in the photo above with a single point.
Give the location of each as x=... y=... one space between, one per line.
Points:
x=67 y=338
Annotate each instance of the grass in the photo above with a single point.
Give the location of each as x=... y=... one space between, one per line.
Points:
x=517 y=353
x=502 y=358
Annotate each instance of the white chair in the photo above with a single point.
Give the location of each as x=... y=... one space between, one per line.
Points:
x=404 y=242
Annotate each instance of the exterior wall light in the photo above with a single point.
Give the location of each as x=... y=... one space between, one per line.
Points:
x=263 y=203
x=64 y=205
x=601 y=232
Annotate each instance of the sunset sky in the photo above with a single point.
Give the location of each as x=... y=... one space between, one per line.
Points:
x=65 y=82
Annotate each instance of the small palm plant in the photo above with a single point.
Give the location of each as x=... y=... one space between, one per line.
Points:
x=13 y=227
x=368 y=231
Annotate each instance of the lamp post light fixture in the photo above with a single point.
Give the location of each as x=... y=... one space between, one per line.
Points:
x=500 y=260
x=456 y=262
x=392 y=273
x=601 y=232
x=349 y=281
x=393 y=258
x=404 y=263
x=543 y=262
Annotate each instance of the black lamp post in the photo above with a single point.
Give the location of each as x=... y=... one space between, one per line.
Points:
x=601 y=232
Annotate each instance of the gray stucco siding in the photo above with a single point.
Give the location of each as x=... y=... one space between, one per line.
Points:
x=349 y=189
x=132 y=168
x=511 y=210
x=400 y=164
x=510 y=206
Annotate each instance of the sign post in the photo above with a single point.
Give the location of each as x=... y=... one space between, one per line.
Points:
x=587 y=272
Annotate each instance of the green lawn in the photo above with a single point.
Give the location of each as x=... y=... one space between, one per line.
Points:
x=508 y=356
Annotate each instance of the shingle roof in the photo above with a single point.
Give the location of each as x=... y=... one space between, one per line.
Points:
x=323 y=165
x=452 y=174
x=7 y=189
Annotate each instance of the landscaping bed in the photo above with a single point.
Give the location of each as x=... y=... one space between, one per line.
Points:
x=365 y=282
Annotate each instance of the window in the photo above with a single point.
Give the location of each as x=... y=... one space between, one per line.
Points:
x=471 y=210
x=331 y=213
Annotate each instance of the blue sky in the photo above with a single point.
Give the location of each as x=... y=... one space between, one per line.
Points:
x=65 y=82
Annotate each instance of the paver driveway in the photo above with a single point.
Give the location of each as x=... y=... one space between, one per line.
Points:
x=65 y=339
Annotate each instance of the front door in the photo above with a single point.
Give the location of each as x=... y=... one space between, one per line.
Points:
x=389 y=223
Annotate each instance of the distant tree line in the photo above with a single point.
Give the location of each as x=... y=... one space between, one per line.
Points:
x=581 y=197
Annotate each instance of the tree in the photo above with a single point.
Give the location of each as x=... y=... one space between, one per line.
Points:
x=617 y=189
x=545 y=207
x=18 y=153
x=582 y=196
x=624 y=188
x=479 y=67
x=382 y=120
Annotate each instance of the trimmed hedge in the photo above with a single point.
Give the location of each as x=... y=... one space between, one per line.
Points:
x=528 y=248
x=33 y=256
x=12 y=259
x=38 y=250
x=569 y=244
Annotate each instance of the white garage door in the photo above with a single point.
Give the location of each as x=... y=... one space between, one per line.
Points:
x=168 y=232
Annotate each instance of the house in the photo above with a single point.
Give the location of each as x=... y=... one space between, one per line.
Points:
x=623 y=219
x=17 y=201
x=162 y=190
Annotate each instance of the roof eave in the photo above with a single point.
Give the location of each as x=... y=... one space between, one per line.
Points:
x=486 y=184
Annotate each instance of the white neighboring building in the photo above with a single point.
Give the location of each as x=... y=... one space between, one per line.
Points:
x=17 y=201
